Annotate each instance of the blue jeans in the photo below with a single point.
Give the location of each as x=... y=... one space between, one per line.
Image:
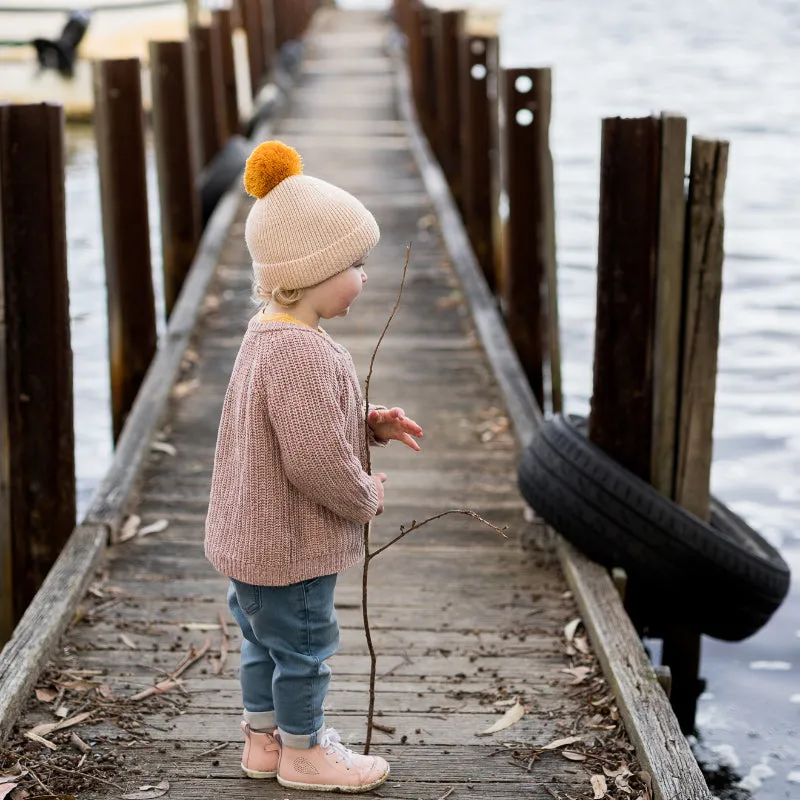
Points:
x=289 y=632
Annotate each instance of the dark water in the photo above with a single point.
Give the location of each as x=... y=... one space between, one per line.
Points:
x=732 y=68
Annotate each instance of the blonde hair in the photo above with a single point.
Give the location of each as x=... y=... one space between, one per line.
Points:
x=284 y=297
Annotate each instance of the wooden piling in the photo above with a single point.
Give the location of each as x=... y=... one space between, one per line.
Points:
x=203 y=74
x=222 y=30
x=281 y=12
x=253 y=24
x=669 y=301
x=119 y=132
x=682 y=647
x=268 y=35
x=37 y=443
x=475 y=163
x=703 y=292
x=529 y=279
x=448 y=25
x=621 y=417
x=178 y=197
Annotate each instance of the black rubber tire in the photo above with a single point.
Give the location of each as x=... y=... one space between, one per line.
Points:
x=722 y=579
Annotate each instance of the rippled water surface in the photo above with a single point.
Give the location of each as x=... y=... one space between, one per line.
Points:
x=731 y=66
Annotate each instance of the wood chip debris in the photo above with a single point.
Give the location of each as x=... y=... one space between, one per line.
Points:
x=130 y=528
x=128 y=642
x=51 y=727
x=164 y=447
x=570 y=628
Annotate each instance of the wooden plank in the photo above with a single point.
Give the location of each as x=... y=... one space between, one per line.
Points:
x=621 y=419
x=703 y=291
x=645 y=708
x=37 y=472
x=37 y=635
x=704 y=258
x=669 y=300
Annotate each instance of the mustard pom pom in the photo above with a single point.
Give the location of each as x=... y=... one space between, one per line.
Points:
x=268 y=165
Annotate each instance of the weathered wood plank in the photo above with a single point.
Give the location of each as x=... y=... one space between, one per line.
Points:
x=669 y=300
x=37 y=634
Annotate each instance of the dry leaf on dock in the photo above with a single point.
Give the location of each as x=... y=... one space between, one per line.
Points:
x=570 y=628
x=6 y=788
x=579 y=673
x=130 y=528
x=128 y=642
x=50 y=727
x=571 y=755
x=156 y=527
x=512 y=716
x=599 y=787
x=562 y=742
x=46 y=695
x=148 y=792
x=164 y=447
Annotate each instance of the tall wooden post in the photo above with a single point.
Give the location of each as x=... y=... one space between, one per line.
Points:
x=37 y=443
x=178 y=197
x=253 y=23
x=203 y=76
x=475 y=163
x=622 y=404
x=428 y=88
x=702 y=295
x=281 y=12
x=530 y=271
x=268 y=38
x=222 y=30
x=448 y=25
x=119 y=131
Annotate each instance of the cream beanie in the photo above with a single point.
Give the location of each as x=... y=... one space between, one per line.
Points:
x=301 y=230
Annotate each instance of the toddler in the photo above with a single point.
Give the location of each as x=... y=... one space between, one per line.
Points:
x=290 y=493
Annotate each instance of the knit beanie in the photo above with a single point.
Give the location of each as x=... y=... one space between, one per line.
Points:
x=300 y=230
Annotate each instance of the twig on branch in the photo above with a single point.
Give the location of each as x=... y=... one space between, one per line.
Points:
x=415 y=526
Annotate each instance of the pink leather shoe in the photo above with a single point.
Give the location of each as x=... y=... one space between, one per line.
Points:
x=261 y=754
x=330 y=767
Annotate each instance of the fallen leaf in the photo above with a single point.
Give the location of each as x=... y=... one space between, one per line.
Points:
x=580 y=674
x=104 y=690
x=76 y=686
x=512 y=716
x=599 y=786
x=6 y=789
x=571 y=755
x=581 y=645
x=50 y=727
x=647 y=779
x=164 y=447
x=184 y=388
x=504 y=703
x=562 y=742
x=155 y=527
x=148 y=792
x=62 y=713
x=46 y=695
x=612 y=773
x=130 y=528
x=20 y=794
x=128 y=642
x=570 y=628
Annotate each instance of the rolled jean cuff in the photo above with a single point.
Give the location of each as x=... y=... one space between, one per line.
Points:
x=260 y=720
x=300 y=741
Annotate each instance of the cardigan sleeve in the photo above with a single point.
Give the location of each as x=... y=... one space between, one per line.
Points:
x=302 y=390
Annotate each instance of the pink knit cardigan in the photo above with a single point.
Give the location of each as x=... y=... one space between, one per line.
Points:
x=289 y=492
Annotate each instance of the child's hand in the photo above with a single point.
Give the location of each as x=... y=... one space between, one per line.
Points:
x=392 y=423
x=379 y=478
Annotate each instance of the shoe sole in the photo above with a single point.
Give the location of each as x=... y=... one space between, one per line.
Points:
x=253 y=773
x=315 y=787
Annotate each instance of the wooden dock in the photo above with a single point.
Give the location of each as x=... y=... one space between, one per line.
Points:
x=464 y=622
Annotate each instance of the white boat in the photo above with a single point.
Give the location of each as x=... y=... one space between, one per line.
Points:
x=47 y=46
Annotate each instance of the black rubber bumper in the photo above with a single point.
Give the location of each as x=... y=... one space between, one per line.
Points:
x=719 y=578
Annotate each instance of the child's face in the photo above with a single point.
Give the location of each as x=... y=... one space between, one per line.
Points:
x=333 y=297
